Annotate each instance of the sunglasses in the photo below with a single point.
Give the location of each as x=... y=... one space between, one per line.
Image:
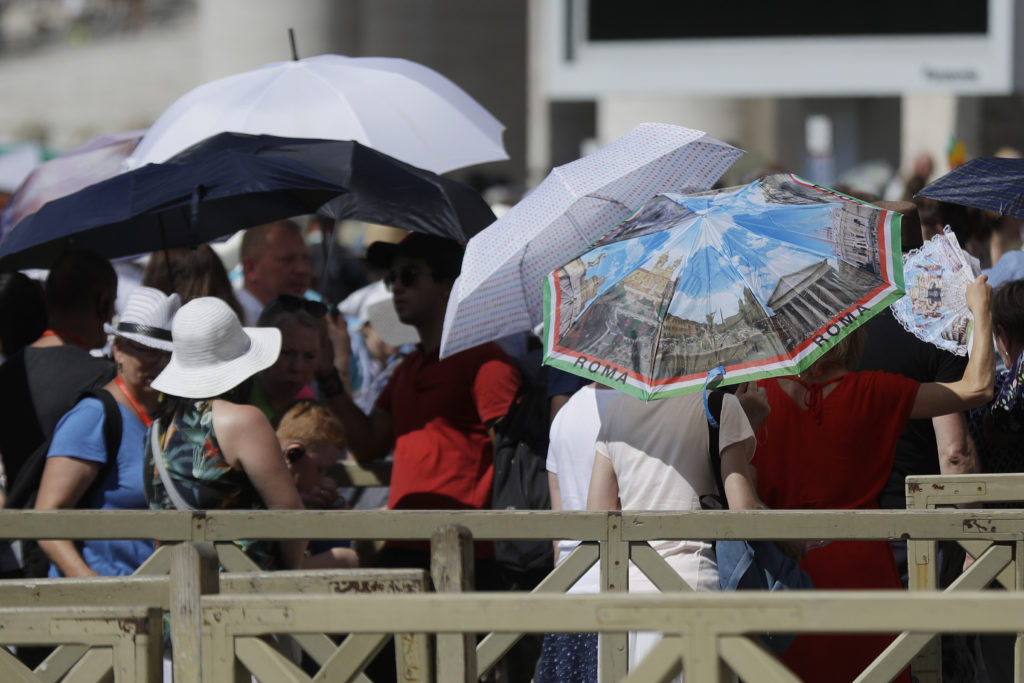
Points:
x=294 y=453
x=291 y=303
x=407 y=275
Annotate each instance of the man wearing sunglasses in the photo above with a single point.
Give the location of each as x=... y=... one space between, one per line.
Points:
x=437 y=414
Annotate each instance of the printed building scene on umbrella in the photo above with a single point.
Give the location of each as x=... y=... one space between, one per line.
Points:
x=717 y=278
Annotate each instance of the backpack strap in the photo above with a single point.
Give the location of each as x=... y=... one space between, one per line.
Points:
x=157 y=451
x=113 y=427
x=22 y=492
x=718 y=499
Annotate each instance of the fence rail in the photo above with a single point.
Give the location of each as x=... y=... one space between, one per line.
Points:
x=226 y=525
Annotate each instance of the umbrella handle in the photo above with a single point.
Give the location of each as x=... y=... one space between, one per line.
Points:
x=713 y=374
x=193 y=223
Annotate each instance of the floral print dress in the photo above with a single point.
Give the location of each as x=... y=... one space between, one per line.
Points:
x=204 y=479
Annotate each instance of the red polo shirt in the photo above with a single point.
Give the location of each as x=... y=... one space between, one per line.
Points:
x=442 y=456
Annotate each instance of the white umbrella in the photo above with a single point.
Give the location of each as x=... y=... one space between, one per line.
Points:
x=395 y=106
x=500 y=289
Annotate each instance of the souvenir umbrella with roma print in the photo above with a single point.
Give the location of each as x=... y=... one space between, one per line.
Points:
x=728 y=285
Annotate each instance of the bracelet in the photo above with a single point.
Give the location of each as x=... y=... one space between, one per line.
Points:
x=330 y=384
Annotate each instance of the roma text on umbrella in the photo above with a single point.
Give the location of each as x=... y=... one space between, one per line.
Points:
x=835 y=329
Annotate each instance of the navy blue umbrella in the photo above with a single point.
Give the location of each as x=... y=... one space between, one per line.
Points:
x=989 y=183
x=159 y=206
x=380 y=188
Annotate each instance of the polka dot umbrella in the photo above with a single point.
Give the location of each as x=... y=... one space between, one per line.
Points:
x=500 y=289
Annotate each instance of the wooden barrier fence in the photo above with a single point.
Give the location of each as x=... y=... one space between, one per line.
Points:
x=952 y=491
x=226 y=622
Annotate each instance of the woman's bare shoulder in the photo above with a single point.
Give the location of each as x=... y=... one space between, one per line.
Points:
x=244 y=433
x=236 y=417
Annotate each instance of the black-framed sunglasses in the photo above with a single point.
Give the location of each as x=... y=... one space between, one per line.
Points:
x=291 y=303
x=407 y=275
x=294 y=453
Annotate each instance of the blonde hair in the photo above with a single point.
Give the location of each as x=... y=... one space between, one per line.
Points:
x=311 y=423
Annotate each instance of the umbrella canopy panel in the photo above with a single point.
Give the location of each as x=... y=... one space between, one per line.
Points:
x=396 y=106
x=167 y=205
x=100 y=158
x=991 y=183
x=380 y=189
x=500 y=289
x=762 y=279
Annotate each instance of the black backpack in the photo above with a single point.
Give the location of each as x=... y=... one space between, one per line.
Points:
x=22 y=492
x=521 y=480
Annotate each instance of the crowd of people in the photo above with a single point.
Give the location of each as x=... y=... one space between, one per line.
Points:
x=221 y=396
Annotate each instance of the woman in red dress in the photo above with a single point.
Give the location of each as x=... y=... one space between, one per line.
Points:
x=829 y=443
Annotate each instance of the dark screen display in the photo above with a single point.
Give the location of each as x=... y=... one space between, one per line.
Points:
x=678 y=19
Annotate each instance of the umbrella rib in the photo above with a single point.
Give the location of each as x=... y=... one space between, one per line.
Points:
x=344 y=98
x=576 y=226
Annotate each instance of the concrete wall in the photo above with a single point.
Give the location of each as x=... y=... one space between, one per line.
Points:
x=69 y=92
x=481 y=46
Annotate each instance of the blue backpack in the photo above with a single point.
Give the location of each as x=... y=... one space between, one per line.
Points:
x=749 y=565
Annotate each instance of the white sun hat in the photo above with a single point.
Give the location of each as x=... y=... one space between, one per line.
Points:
x=379 y=311
x=213 y=353
x=374 y=304
x=147 y=318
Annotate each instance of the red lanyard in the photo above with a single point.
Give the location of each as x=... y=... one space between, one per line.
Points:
x=66 y=336
x=146 y=419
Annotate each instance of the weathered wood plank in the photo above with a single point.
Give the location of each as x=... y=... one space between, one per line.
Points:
x=451 y=566
x=752 y=662
x=656 y=568
x=351 y=657
x=194 y=573
x=263 y=661
x=613 y=648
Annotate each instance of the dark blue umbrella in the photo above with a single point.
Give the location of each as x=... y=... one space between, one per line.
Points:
x=181 y=204
x=380 y=188
x=989 y=183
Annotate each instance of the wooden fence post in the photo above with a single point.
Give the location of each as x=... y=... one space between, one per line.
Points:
x=194 y=572
x=613 y=648
x=451 y=567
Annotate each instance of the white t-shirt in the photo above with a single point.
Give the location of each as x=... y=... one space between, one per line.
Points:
x=659 y=451
x=571 y=457
x=251 y=306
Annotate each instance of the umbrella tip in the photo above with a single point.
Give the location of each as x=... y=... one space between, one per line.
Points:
x=291 y=39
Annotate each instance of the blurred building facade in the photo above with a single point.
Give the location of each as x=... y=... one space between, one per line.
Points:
x=880 y=85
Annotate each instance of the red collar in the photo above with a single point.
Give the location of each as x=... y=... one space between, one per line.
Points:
x=66 y=336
